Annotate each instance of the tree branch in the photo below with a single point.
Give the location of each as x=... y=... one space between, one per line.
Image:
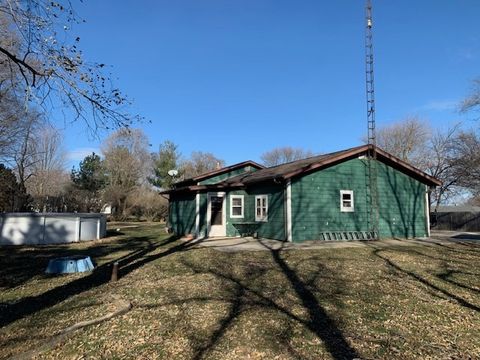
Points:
x=21 y=64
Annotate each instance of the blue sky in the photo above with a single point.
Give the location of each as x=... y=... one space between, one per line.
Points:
x=240 y=77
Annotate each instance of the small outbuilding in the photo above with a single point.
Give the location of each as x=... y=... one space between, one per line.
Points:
x=325 y=197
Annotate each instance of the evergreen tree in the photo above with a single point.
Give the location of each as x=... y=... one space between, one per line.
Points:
x=90 y=175
x=9 y=189
x=168 y=158
x=88 y=182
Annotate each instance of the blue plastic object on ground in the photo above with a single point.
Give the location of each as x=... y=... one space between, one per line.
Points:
x=70 y=264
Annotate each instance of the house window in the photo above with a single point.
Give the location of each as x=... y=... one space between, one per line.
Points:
x=346 y=201
x=236 y=206
x=261 y=208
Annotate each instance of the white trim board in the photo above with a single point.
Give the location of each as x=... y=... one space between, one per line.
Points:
x=197 y=215
x=289 y=211
x=427 y=210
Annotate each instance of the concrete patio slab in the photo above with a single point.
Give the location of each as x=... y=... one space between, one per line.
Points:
x=233 y=244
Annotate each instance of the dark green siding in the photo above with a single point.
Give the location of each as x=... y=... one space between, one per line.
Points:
x=316 y=205
x=402 y=204
x=274 y=228
x=316 y=202
x=221 y=177
x=203 y=215
x=182 y=213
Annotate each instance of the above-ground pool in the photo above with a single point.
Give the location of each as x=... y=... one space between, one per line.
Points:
x=50 y=228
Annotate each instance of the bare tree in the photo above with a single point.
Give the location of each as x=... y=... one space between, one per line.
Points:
x=440 y=162
x=282 y=155
x=47 y=149
x=466 y=159
x=435 y=152
x=10 y=83
x=405 y=139
x=20 y=129
x=472 y=101
x=200 y=163
x=14 y=121
x=17 y=149
x=146 y=203
x=41 y=61
x=47 y=179
x=127 y=165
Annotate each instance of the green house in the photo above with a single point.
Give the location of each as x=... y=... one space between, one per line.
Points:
x=325 y=197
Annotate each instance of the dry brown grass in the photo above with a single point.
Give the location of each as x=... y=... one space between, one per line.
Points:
x=190 y=303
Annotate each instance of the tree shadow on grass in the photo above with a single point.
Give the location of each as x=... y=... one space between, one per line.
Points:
x=475 y=238
x=430 y=286
x=19 y=264
x=456 y=246
x=238 y=304
x=447 y=275
x=319 y=321
x=432 y=254
x=141 y=255
x=246 y=292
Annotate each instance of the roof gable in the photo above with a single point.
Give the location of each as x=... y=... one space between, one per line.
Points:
x=302 y=167
x=211 y=174
x=315 y=163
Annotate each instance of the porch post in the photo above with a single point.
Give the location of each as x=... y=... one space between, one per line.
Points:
x=197 y=215
x=427 y=210
x=289 y=211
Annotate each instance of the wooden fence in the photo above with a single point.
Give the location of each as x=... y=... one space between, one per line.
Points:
x=458 y=221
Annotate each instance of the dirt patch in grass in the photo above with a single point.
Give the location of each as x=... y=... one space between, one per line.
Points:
x=192 y=303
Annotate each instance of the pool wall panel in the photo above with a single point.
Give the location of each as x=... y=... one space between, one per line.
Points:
x=50 y=228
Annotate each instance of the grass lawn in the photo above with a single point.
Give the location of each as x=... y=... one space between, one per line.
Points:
x=192 y=303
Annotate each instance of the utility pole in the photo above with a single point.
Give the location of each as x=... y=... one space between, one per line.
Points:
x=373 y=211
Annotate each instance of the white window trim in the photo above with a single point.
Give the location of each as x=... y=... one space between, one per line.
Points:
x=241 y=197
x=261 y=218
x=343 y=208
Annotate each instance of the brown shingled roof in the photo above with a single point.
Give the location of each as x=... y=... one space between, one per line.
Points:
x=289 y=170
x=216 y=172
x=285 y=171
x=299 y=167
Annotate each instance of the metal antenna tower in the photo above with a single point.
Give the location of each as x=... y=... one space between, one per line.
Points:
x=373 y=211
x=369 y=73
